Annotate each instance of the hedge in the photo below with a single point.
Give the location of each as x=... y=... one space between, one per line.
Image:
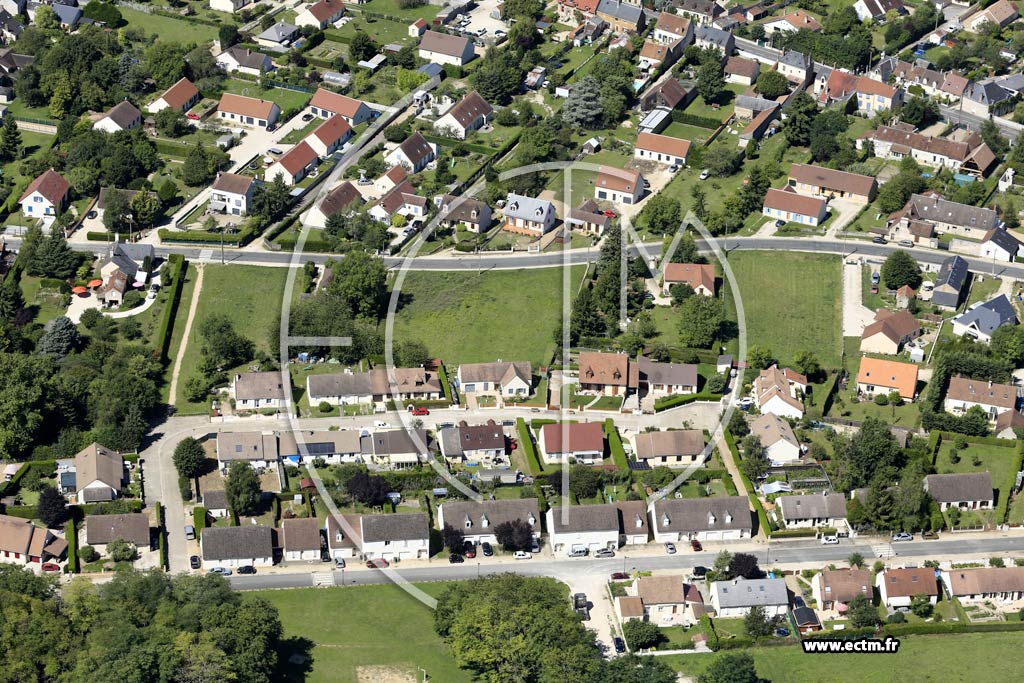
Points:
x=163 y=334
x=667 y=402
x=130 y=504
x=197 y=236
x=442 y=374
x=762 y=516
x=526 y=443
x=10 y=487
x=161 y=535
x=694 y=120
x=96 y=236
x=53 y=283
x=615 y=445
x=288 y=242
x=199 y=519
x=794 y=533
x=71 y=536
x=22 y=511
x=1003 y=512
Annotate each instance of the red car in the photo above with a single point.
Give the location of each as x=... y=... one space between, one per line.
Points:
x=697 y=547
x=51 y=567
x=620 y=576
x=513 y=444
x=379 y=563
x=193 y=116
x=420 y=411
x=610 y=214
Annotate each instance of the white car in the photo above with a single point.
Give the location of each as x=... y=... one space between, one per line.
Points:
x=705 y=174
x=500 y=33
x=380 y=424
x=830 y=540
x=521 y=555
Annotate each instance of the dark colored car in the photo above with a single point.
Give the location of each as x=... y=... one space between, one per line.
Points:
x=697 y=547
x=579 y=601
x=584 y=614
x=307 y=117
x=486 y=548
x=469 y=550
x=379 y=563
x=455 y=558
x=782 y=632
x=700 y=571
x=780 y=223
x=247 y=569
x=620 y=576
x=878 y=239
x=194 y=562
x=620 y=645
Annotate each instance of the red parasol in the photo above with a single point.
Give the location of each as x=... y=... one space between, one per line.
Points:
x=79 y=290
x=95 y=283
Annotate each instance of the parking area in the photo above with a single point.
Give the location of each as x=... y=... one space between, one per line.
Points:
x=480 y=19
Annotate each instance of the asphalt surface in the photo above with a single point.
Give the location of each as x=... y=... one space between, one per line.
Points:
x=806 y=553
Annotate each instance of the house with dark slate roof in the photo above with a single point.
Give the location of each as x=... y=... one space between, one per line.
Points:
x=237 y=546
x=477 y=521
x=967 y=491
x=950 y=282
x=609 y=525
x=702 y=519
x=985 y=317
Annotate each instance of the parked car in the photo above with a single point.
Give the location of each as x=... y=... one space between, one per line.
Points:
x=455 y=558
x=486 y=548
x=610 y=214
x=705 y=174
x=875 y=278
x=903 y=536
x=878 y=239
x=780 y=223
x=521 y=555
x=670 y=548
x=535 y=546
x=578 y=552
x=51 y=567
x=673 y=168
x=420 y=411
x=798 y=601
x=91 y=214
x=620 y=645
x=307 y=117
x=194 y=562
x=223 y=571
x=700 y=571
x=604 y=553
x=930 y=536
x=379 y=563
x=339 y=562
x=584 y=614
x=782 y=632
x=469 y=550
x=830 y=540
x=190 y=532
x=647 y=184
x=579 y=600
x=620 y=576
x=697 y=547
x=500 y=33
x=247 y=569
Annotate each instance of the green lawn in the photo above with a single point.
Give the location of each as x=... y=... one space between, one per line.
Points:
x=46 y=304
x=998 y=461
x=250 y=296
x=393 y=8
x=168 y=27
x=178 y=329
x=906 y=415
x=286 y=99
x=582 y=186
x=983 y=288
x=466 y=317
x=961 y=658
x=347 y=629
x=382 y=31
x=792 y=301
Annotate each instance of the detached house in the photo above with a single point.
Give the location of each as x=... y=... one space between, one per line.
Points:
x=413 y=154
x=101 y=530
x=890 y=332
x=47 y=195
x=780 y=392
x=329 y=136
x=123 y=116
x=871 y=96
x=277 y=36
x=699 y=276
x=791 y=23
x=667 y=600
x=472 y=214
x=507 y=378
x=256 y=390
x=442 y=48
x=401 y=200
x=999 y=245
x=294 y=165
x=581 y=441
x=675 y=448
x=618 y=185
x=826 y=509
x=877 y=376
x=715 y=38
x=949 y=282
x=344 y=199
x=702 y=519
x=528 y=216
x=826 y=182
x=875 y=10
x=797 y=67
x=995 y=399
x=899 y=586
x=833 y=589
x=968 y=491
x=229 y=6
x=982 y=319
x=321 y=14
x=23 y=543
x=736 y=598
x=611 y=374
x=588 y=218
x=662 y=149
x=477 y=521
x=777 y=438
x=181 y=96
x=99 y=474
x=327 y=104
x=742 y=71
x=468 y=114
x=232 y=193
x=244 y=60
x=666 y=379
x=247 y=111
x=473 y=444
x=1000 y=585
x=1001 y=13
x=786 y=205
x=237 y=546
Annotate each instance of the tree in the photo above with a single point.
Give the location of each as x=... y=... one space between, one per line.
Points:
x=701 y=319
x=189 y=457
x=893 y=195
x=855 y=560
x=921 y=605
x=861 y=613
x=771 y=84
x=105 y=12
x=54 y=258
x=680 y=293
x=360 y=284
x=228 y=35
x=642 y=635
x=716 y=384
x=801 y=113
x=145 y=206
x=196 y=169
x=738 y=424
x=585 y=481
x=60 y=338
x=807 y=363
x=919 y=111
x=222 y=344
x=730 y=668
x=517 y=9
x=900 y=269
x=52 y=509
x=759 y=357
x=515 y=534
x=662 y=214
x=117 y=205
x=362 y=47
x=170 y=122
x=242 y=488
x=583 y=107
x=121 y=550
x=368 y=489
x=498 y=76
x=10 y=141
x=721 y=161
x=453 y=539
x=710 y=81
x=756 y=622
x=993 y=137
x=411 y=353
x=745 y=565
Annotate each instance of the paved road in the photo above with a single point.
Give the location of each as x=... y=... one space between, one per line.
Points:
x=805 y=553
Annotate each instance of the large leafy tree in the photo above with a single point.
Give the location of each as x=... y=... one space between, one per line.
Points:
x=222 y=343
x=583 y=107
x=514 y=535
x=52 y=508
x=242 y=488
x=662 y=214
x=710 y=81
x=771 y=84
x=900 y=269
x=702 y=318
x=360 y=284
x=800 y=116
x=730 y=668
x=23 y=401
x=189 y=457
x=54 y=258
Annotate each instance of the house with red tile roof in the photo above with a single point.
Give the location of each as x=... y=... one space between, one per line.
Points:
x=181 y=96
x=321 y=14
x=294 y=165
x=45 y=196
x=787 y=205
x=326 y=104
x=248 y=111
x=330 y=135
x=662 y=149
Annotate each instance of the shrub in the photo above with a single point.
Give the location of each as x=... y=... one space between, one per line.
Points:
x=88 y=554
x=881 y=400
x=121 y=551
x=185 y=486
x=642 y=635
x=324 y=407
x=896 y=618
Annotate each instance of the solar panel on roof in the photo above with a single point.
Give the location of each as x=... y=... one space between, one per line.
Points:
x=322 y=448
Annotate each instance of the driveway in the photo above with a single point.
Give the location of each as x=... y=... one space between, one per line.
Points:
x=846 y=212
x=80 y=304
x=856 y=316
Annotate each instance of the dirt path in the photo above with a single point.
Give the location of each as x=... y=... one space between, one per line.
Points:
x=172 y=395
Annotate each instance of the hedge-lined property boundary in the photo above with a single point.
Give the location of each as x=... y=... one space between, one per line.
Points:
x=762 y=516
x=163 y=335
x=615 y=445
x=71 y=536
x=199 y=519
x=526 y=443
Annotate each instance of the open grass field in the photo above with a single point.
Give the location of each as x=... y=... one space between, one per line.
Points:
x=383 y=31
x=164 y=27
x=351 y=631
x=286 y=99
x=249 y=296
x=46 y=304
x=961 y=658
x=465 y=317
x=793 y=302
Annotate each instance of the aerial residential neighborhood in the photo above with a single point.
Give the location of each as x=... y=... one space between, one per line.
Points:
x=582 y=340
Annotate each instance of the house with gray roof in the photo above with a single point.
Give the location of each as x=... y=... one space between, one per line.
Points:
x=68 y=16
x=622 y=15
x=216 y=502
x=257 y=449
x=391 y=537
x=122 y=116
x=256 y=390
x=796 y=67
x=132 y=527
x=477 y=521
x=331 y=446
x=475 y=444
x=508 y=378
x=673 y=448
x=528 y=216
x=666 y=379
x=735 y=598
x=999 y=245
x=987 y=98
x=967 y=491
x=825 y=509
x=949 y=283
x=702 y=519
x=393 y=448
x=711 y=37
x=985 y=317
x=608 y=525
x=279 y=35
x=237 y=546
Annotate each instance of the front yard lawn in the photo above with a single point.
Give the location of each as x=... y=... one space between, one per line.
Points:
x=285 y=98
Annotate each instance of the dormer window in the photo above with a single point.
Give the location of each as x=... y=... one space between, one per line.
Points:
x=665 y=520
x=711 y=518
x=484 y=522
x=728 y=517
x=531 y=519
x=338 y=538
x=639 y=522
x=469 y=522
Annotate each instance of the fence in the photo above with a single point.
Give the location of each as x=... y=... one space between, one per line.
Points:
x=286 y=86
x=36 y=125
